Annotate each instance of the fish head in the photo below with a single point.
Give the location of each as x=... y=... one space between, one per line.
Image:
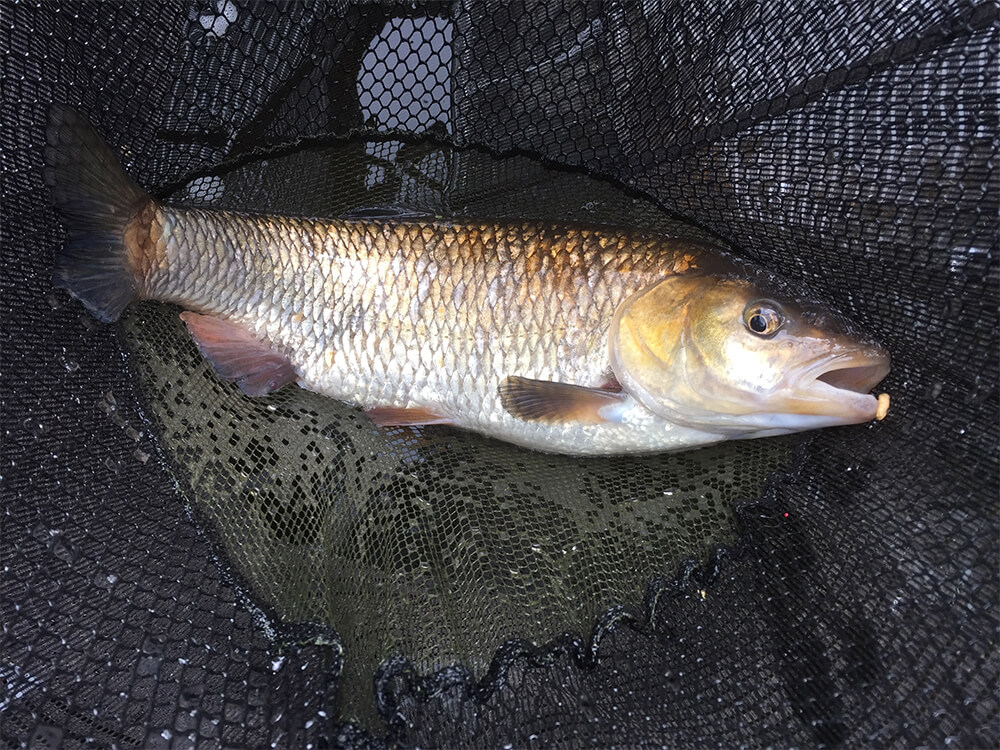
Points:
x=734 y=355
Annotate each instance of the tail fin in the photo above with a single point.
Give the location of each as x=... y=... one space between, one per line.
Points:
x=95 y=200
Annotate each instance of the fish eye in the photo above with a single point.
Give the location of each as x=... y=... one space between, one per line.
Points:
x=763 y=318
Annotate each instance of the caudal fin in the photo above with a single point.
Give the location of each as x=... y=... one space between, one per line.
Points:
x=95 y=200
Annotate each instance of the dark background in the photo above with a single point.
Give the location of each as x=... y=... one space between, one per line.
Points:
x=850 y=147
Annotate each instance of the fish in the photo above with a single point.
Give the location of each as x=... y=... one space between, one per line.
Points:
x=564 y=338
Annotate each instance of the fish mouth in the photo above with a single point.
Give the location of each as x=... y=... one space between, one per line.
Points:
x=860 y=378
x=840 y=386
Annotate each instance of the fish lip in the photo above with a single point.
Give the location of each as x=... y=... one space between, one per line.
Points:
x=843 y=382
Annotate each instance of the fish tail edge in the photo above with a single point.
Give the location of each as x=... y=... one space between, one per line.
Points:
x=96 y=200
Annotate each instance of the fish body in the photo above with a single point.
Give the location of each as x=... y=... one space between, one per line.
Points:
x=563 y=338
x=455 y=310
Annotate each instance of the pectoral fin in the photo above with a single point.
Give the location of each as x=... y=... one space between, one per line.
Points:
x=390 y=416
x=546 y=401
x=236 y=354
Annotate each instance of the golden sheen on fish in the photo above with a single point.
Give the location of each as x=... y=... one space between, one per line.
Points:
x=570 y=339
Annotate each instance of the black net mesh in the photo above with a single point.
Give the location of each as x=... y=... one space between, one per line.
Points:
x=186 y=566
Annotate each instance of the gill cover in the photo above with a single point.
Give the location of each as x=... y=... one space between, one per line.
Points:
x=648 y=355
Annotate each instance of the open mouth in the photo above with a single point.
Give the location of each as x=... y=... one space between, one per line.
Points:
x=839 y=387
x=860 y=378
x=855 y=373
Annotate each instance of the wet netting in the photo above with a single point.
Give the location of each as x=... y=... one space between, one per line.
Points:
x=184 y=566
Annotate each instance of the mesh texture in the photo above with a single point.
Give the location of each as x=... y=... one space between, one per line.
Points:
x=185 y=567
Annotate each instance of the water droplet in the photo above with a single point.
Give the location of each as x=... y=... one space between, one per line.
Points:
x=935 y=389
x=155 y=740
x=43 y=533
x=148 y=665
x=190 y=696
x=140 y=455
x=46 y=736
x=979 y=391
x=53 y=299
x=113 y=463
x=35 y=427
x=105 y=580
x=276 y=664
x=63 y=549
x=133 y=433
x=153 y=644
x=69 y=364
x=952 y=307
x=107 y=403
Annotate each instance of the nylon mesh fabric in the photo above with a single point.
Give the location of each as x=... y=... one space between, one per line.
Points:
x=186 y=567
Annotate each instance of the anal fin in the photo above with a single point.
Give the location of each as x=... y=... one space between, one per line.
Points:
x=548 y=401
x=236 y=354
x=391 y=416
